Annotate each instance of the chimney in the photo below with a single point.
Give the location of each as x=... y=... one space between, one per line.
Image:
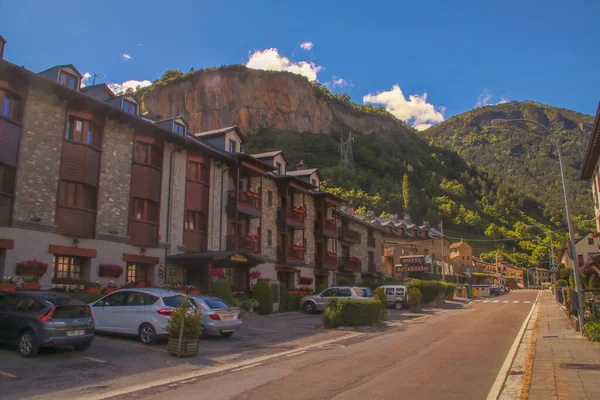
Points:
x=300 y=166
x=351 y=210
x=2 y=44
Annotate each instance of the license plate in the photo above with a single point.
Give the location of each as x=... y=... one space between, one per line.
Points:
x=229 y=317
x=75 y=333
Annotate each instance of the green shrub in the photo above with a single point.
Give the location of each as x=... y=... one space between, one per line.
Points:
x=561 y=282
x=415 y=299
x=594 y=282
x=591 y=330
x=264 y=295
x=341 y=312
x=283 y=297
x=220 y=288
x=382 y=298
x=192 y=326
x=430 y=290
x=293 y=302
x=450 y=288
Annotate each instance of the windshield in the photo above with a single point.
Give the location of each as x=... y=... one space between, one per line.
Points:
x=216 y=304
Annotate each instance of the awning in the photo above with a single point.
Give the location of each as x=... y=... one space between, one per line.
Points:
x=285 y=268
x=217 y=259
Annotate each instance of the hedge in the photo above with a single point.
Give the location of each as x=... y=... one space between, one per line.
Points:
x=340 y=312
x=415 y=299
x=292 y=302
x=264 y=295
x=221 y=289
x=430 y=290
x=591 y=330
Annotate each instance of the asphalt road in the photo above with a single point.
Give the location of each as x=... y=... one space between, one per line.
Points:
x=454 y=355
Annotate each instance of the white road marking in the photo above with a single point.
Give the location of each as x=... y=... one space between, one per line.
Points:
x=506 y=301
x=496 y=301
x=296 y=353
x=527 y=302
x=501 y=378
x=246 y=367
x=515 y=302
x=486 y=301
x=7 y=374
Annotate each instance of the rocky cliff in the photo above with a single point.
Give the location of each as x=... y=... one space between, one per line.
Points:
x=255 y=99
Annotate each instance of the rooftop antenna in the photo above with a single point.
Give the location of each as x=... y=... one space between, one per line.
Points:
x=97 y=76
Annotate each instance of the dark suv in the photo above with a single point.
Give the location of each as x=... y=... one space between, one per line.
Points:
x=32 y=320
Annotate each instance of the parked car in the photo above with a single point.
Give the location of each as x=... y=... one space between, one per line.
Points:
x=316 y=302
x=218 y=317
x=32 y=320
x=142 y=312
x=396 y=295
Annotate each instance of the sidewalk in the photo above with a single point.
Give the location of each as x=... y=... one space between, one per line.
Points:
x=556 y=345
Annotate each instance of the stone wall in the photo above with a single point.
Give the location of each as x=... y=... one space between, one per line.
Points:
x=309 y=228
x=39 y=158
x=115 y=179
x=360 y=250
x=269 y=221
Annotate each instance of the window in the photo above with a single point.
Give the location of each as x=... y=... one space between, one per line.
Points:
x=68 y=80
x=11 y=106
x=330 y=293
x=389 y=291
x=7 y=179
x=590 y=241
x=195 y=221
x=145 y=153
x=400 y=292
x=173 y=301
x=216 y=304
x=129 y=107
x=279 y=167
x=136 y=273
x=371 y=257
x=73 y=194
x=580 y=261
x=82 y=131
x=425 y=251
x=344 y=293
x=179 y=128
x=270 y=198
x=114 y=300
x=67 y=267
x=232 y=147
x=198 y=172
x=270 y=238
x=463 y=257
x=144 y=210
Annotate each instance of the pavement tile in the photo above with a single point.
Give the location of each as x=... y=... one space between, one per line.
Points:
x=542 y=395
x=574 y=396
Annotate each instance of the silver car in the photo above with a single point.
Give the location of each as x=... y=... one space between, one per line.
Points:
x=218 y=317
x=316 y=302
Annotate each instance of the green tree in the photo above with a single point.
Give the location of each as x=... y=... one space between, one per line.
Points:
x=594 y=282
x=406 y=193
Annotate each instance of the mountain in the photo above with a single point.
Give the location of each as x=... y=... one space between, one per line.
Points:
x=522 y=154
x=396 y=169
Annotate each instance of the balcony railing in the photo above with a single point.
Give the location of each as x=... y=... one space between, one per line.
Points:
x=243 y=244
x=327 y=260
x=246 y=202
x=350 y=264
x=293 y=257
x=292 y=219
x=371 y=241
x=328 y=227
x=348 y=235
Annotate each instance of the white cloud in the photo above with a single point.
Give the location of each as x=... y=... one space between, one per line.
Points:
x=126 y=56
x=339 y=82
x=503 y=100
x=416 y=109
x=484 y=98
x=307 y=45
x=271 y=60
x=121 y=87
x=422 y=127
x=85 y=79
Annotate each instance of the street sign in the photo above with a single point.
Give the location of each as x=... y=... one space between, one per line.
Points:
x=554 y=267
x=469 y=272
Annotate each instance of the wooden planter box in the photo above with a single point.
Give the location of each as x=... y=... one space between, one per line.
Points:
x=7 y=287
x=94 y=289
x=30 y=286
x=194 y=292
x=109 y=290
x=189 y=347
x=184 y=291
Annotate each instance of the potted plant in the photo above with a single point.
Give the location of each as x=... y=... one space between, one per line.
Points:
x=217 y=273
x=31 y=268
x=184 y=328
x=9 y=284
x=92 y=287
x=192 y=290
x=30 y=283
x=110 y=287
x=331 y=221
x=112 y=270
x=251 y=304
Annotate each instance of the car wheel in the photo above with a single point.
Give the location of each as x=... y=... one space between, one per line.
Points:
x=147 y=334
x=309 y=307
x=82 y=346
x=226 y=334
x=398 y=305
x=27 y=344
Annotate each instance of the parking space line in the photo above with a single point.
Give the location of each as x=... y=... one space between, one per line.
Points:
x=90 y=359
x=296 y=353
x=506 y=301
x=7 y=375
x=527 y=302
x=515 y=302
x=129 y=344
x=246 y=367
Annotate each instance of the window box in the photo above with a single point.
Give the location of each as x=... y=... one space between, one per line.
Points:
x=8 y=287
x=32 y=268
x=110 y=270
x=109 y=290
x=93 y=289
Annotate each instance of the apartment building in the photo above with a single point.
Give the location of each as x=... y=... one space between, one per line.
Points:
x=461 y=255
x=586 y=248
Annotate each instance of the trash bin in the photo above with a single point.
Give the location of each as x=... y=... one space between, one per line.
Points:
x=469 y=291
x=475 y=292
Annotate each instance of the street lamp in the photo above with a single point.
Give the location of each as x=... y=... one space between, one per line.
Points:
x=571 y=244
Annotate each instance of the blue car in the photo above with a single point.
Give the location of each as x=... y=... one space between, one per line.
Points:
x=218 y=317
x=32 y=320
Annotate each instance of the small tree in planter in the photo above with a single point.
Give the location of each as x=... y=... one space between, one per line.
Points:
x=8 y=284
x=184 y=327
x=264 y=295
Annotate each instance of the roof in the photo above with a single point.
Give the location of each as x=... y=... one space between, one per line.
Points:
x=2 y=39
x=359 y=220
x=100 y=85
x=113 y=112
x=305 y=172
x=167 y=119
x=272 y=154
x=593 y=150
x=319 y=192
x=457 y=245
x=221 y=131
x=63 y=66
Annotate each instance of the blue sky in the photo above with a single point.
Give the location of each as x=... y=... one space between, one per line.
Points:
x=460 y=53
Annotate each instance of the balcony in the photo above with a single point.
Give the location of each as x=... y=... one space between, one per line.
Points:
x=327 y=260
x=291 y=257
x=349 y=264
x=371 y=241
x=327 y=228
x=248 y=203
x=293 y=219
x=348 y=235
x=195 y=241
x=243 y=244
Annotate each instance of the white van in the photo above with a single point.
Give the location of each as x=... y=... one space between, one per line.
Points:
x=396 y=295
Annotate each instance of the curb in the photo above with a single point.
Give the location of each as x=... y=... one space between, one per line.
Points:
x=527 y=374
